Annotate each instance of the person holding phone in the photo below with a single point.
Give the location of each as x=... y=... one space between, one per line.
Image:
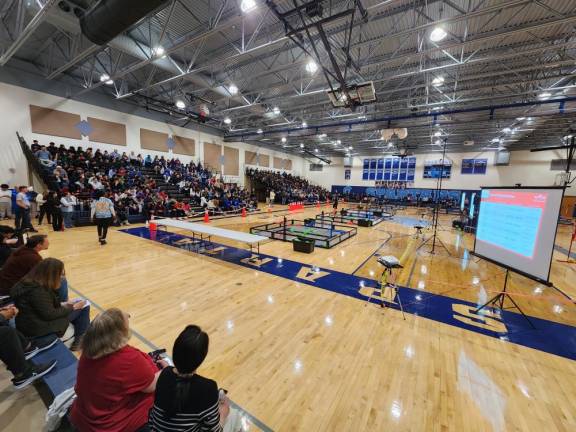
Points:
x=116 y=381
x=42 y=313
x=185 y=400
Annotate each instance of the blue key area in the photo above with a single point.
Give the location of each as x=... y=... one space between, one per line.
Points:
x=547 y=336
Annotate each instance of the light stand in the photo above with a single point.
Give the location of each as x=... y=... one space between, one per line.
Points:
x=434 y=236
x=499 y=299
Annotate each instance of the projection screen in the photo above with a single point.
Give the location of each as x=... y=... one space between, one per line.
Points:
x=517 y=228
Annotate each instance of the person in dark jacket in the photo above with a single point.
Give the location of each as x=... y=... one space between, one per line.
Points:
x=42 y=313
x=21 y=261
x=53 y=208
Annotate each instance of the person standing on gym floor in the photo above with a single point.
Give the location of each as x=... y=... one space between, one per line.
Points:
x=102 y=213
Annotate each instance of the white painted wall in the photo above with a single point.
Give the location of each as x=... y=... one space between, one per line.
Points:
x=530 y=169
x=15 y=117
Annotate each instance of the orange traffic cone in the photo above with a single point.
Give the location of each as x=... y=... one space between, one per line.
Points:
x=206 y=217
x=243 y=212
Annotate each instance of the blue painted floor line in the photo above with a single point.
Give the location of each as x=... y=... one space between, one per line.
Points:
x=548 y=336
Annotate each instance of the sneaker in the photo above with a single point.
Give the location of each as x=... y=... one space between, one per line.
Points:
x=103 y=241
x=37 y=347
x=35 y=373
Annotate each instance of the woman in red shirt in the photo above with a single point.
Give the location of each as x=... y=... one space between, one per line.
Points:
x=116 y=382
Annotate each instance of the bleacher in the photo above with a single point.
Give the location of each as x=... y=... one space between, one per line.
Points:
x=82 y=210
x=62 y=377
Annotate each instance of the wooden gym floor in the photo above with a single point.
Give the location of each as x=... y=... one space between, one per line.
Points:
x=301 y=358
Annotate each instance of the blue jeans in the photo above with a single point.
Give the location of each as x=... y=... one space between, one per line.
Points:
x=80 y=319
x=67 y=216
x=63 y=290
x=22 y=218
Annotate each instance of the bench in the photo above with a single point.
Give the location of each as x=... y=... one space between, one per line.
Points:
x=62 y=377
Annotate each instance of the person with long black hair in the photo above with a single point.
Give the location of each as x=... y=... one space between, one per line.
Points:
x=185 y=400
x=103 y=214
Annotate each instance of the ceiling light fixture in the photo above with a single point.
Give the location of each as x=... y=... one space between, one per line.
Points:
x=315 y=150
x=104 y=77
x=259 y=131
x=338 y=142
x=545 y=95
x=247 y=5
x=283 y=139
x=438 y=81
x=438 y=34
x=158 y=51
x=232 y=89
x=437 y=133
x=311 y=67
x=520 y=118
x=304 y=124
x=301 y=145
x=180 y=104
x=276 y=110
x=227 y=120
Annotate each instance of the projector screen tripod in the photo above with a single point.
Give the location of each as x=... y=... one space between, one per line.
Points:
x=499 y=299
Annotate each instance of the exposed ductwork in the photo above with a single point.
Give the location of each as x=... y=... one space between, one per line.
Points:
x=127 y=45
x=109 y=18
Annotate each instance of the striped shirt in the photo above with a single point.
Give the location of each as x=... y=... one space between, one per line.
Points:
x=199 y=406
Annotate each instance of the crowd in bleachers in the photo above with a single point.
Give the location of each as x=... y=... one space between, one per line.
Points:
x=117 y=387
x=132 y=182
x=284 y=188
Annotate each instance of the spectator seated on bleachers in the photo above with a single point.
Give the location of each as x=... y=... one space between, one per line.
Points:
x=16 y=351
x=21 y=261
x=127 y=178
x=42 y=312
x=185 y=400
x=286 y=188
x=116 y=382
x=45 y=157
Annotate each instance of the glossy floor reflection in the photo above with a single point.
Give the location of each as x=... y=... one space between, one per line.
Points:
x=306 y=359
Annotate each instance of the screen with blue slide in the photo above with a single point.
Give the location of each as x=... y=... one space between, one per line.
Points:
x=517 y=228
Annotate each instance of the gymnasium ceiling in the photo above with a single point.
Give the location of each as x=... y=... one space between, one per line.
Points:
x=506 y=70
